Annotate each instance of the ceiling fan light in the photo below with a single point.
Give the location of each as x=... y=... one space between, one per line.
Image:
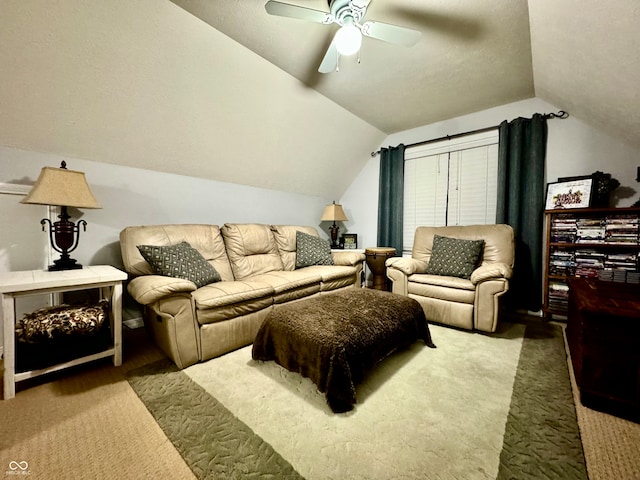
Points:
x=348 y=40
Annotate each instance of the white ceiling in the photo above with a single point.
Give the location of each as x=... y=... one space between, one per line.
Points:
x=581 y=55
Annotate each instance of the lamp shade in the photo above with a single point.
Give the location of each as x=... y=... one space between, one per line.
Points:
x=62 y=187
x=334 y=213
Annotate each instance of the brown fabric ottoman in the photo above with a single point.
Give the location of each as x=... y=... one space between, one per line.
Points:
x=335 y=339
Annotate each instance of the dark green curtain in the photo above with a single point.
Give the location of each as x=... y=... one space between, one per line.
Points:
x=521 y=190
x=391 y=197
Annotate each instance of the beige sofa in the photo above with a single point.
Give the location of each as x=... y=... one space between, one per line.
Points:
x=471 y=303
x=257 y=266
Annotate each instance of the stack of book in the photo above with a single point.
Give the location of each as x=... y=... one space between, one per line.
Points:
x=589 y=262
x=558 y=295
x=622 y=230
x=562 y=262
x=621 y=267
x=619 y=275
x=606 y=275
x=563 y=229
x=625 y=261
x=590 y=230
x=633 y=277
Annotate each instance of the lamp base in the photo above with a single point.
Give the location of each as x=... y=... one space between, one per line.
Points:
x=64 y=236
x=334 y=235
x=64 y=263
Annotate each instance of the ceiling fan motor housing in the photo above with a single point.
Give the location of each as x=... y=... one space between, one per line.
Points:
x=347 y=11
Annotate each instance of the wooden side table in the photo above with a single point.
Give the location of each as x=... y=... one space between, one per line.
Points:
x=376 y=259
x=33 y=282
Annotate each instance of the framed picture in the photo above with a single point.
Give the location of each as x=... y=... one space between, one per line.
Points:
x=569 y=194
x=350 y=240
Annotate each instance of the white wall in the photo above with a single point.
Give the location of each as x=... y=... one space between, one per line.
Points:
x=146 y=84
x=573 y=148
x=132 y=196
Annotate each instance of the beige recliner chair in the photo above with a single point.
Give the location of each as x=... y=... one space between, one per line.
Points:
x=470 y=303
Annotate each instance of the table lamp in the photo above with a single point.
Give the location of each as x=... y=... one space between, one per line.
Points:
x=334 y=213
x=64 y=188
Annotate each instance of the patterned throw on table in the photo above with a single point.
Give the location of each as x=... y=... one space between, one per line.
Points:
x=53 y=322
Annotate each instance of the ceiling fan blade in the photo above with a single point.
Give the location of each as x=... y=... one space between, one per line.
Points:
x=330 y=61
x=391 y=33
x=294 y=11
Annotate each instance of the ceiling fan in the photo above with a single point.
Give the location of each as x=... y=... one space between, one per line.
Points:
x=349 y=14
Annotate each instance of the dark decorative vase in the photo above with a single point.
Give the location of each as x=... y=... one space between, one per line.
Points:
x=601 y=189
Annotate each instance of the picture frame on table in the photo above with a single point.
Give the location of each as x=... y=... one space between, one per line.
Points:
x=349 y=241
x=567 y=194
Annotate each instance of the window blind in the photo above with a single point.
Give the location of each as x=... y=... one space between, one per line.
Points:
x=453 y=182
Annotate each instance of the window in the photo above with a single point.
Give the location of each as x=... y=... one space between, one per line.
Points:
x=453 y=182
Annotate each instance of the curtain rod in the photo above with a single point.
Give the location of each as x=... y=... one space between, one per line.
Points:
x=561 y=114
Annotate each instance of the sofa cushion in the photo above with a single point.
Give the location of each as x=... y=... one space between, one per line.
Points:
x=455 y=283
x=335 y=277
x=498 y=241
x=456 y=295
x=285 y=236
x=228 y=293
x=454 y=257
x=312 y=250
x=206 y=239
x=251 y=249
x=225 y=300
x=289 y=286
x=180 y=261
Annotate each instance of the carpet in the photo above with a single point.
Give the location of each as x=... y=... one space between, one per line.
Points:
x=479 y=406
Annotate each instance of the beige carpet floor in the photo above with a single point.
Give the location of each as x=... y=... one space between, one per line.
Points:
x=479 y=406
x=88 y=423
x=430 y=405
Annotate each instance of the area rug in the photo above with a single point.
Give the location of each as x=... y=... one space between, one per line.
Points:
x=479 y=406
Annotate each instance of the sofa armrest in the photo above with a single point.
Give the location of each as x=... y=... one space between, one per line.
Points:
x=149 y=288
x=491 y=271
x=398 y=271
x=406 y=265
x=347 y=258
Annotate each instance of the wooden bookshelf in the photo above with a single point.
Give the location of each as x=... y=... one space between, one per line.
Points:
x=563 y=246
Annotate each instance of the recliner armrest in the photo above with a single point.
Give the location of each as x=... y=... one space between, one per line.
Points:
x=491 y=271
x=149 y=288
x=406 y=265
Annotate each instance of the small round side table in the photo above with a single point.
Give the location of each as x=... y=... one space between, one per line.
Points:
x=376 y=258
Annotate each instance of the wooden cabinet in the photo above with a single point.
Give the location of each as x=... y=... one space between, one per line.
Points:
x=599 y=243
x=603 y=333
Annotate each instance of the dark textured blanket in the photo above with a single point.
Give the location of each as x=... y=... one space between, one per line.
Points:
x=335 y=339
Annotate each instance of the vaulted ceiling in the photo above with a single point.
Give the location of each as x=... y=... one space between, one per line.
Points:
x=581 y=55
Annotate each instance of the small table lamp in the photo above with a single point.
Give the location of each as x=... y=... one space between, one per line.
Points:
x=334 y=213
x=64 y=188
